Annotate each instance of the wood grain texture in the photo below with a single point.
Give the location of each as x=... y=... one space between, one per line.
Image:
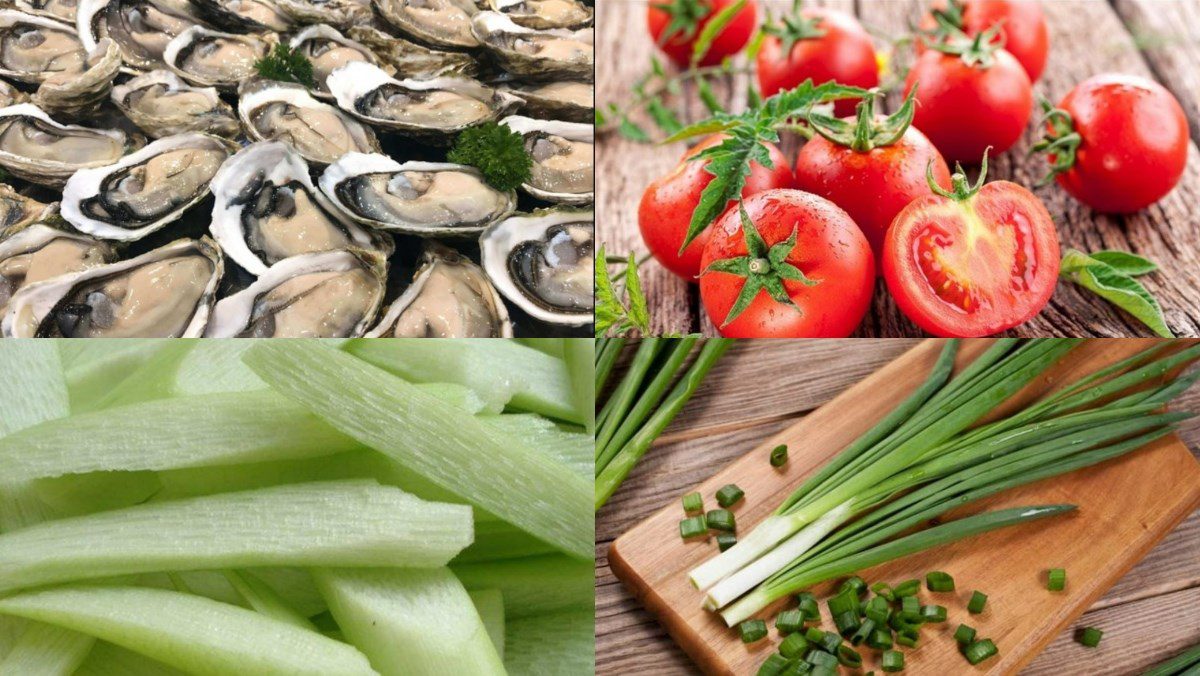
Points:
x=1146 y=37
x=629 y=641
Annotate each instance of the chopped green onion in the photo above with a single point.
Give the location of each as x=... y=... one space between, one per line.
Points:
x=964 y=634
x=879 y=610
x=808 y=606
x=824 y=670
x=908 y=637
x=980 y=650
x=789 y=621
x=910 y=605
x=814 y=635
x=779 y=455
x=864 y=632
x=882 y=589
x=933 y=614
x=821 y=658
x=937 y=581
x=729 y=495
x=721 y=519
x=774 y=665
x=726 y=540
x=908 y=588
x=692 y=527
x=793 y=646
x=692 y=502
x=802 y=668
x=849 y=657
x=892 y=660
x=1056 y=580
x=854 y=584
x=977 y=602
x=1090 y=637
x=880 y=639
x=842 y=602
x=752 y=630
x=830 y=642
x=846 y=623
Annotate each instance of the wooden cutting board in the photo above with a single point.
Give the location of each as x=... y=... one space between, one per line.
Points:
x=1125 y=507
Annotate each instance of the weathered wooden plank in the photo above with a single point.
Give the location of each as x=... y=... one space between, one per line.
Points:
x=1168 y=34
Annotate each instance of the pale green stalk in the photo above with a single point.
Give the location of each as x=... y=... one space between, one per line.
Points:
x=107 y=659
x=47 y=650
x=533 y=585
x=579 y=355
x=263 y=599
x=490 y=605
x=552 y=644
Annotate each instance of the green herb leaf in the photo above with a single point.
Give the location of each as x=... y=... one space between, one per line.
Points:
x=609 y=309
x=713 y=28
x=708 y=97
x=1125 y=262
x=497 y=151
x=663 y=116
x=638 y=314
x=286 y=65
x=632 y=132
x=1115 y=286
x=601 y=119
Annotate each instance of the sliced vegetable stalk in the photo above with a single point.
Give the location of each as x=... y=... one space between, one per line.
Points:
x=189 y=632
x=263 y=599
x=490 y=605
x=107 y=659
x=533 y=585
x=579 y=355
x=92 y=366
x=457 y=452
x=47 y=650
x=352 y=523
x=410 y=622
x=552 y=644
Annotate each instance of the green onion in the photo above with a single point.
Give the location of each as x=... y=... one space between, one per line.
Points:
x=830 y=642
x=863 y=633
x=808 y=606
x=882 y=589
x=855 y=585
x=779 y=455
x=908 y=637
x=725 y=541
x=729 y=495
x=752 y=630
x=937 y=581
x=849 y=657
x=693 y=526
x=843 y=602
x=1090 y=636
x=789 y=621
x=908 y=588
x=824 y=670
x=814 y=635
x=892 y=661
x=933 y=614
x=1056 y=579
x=879 y=610
x=799 y=667
x=820 y=658
x=774 y=665
x=910 y=605
x=880 y=639
x=980 y=650
x=793 y=646
x=1178 y=665
x=977 y=602
x=964 y=634
x=692 y=502
x=721 y=519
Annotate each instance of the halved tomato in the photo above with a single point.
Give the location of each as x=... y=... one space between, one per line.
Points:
x=973 y=261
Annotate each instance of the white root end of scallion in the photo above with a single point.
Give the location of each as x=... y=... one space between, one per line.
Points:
x=766 y=535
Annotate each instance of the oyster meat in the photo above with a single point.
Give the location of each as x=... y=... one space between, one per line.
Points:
x=531 y=53
x=543 y=262
x=569 y=100
x=340 y=14
x=438 y=23
x=276 y=111
x=212 y=59
x=34 y=48
x=162 y=104
x=267 y=209
x=18 y=211
x=77 y=95
x=450 y=297
x=412 y=59
x=416 y=198
x=10 y=95
x=332 y=294
x=164 y=293
x=545 y=13
x=243 y=16
x=328 y=50
x=141 y=28
x=36 y=148
x=62 y=10
x=563 y=157
x=145 y=190
x=39 y=252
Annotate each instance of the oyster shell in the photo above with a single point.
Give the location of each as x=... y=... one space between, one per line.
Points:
x=450 y=297
x=433 y=110
x=10 y=95
x=428 y=199
x=328 y=50
x=141 y=28
x=39 y=252
x=276 y=111
x=162 y=104
x=145 y=190
x=210 y=58
x=76 y=95
x=59 y=10
x=563 y=157
x=244 y=16
x=34 y=48
x=439 y=23
x=331 y=294
x=267 y=209
x=340 y=14
x=412 y=59
x=569 y=100
x=164 y=293
x=544 y=14
x=18 y=211
x=36 y=148
x=543 y=262
x=536 y=54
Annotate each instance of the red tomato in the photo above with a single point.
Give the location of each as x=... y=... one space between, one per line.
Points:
x=974 y=263
x=667 y=204
x=690 y=17
x=1132 y=142
x=966 y=108
x=830 y=251
x=872 y=183
x=829 y=46
x=1023 y=31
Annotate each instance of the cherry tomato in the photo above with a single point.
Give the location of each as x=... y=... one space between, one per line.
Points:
x=682 y=21
x=1118 y=143
x=1023 y=31
x=872 y=169
x=828 y=45
x=968 y=103
x=818 y=285
x=973 y=262
x=667 y=204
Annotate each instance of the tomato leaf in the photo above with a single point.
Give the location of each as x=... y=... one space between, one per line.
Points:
x=762 y=268
x=713 y=28
x=609 y=310
x=663 y=116
x=1125 y=262
x=1116 y=286
x=707 y=96
x=699 y=129
x=746 y=296
x=632 y=132
x=638 y=314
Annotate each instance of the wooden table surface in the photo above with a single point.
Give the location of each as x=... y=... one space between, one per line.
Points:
x=761 y=387
x=1153 y=38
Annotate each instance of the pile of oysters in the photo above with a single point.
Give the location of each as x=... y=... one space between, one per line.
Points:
x=156 y=185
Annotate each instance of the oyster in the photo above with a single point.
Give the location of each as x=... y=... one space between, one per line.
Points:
x=164 y=293
x=161 y=104
x=450 y=297
x=276 y=111
x=433 y=110
x=267 y=209
x=61 y=10
x=543 y=262
x=145 y=190
x=77 y=95
x=36 y=148
x=331 y=294
x=545 y=13
x=439 y=23
x=10 y=95
x=328 y=50
x=563 y=157
x=18 y=211
x=212 y=59
x=34 y=48
x=340 y=14
x=245 y=16
x=141 y=28
x=412 y=59
x=568 y=100
x=39 y=252
x=416 y=198
x=536 y=54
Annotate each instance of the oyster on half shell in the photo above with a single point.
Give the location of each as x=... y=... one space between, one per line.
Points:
x=277 y=111
x=543 y=262
x=563 y=157
x=331 y=294
x=162 y=104
x=438 y=23
x=141 y=28
x=535 y=54
x=569 y=100
x=145 y=190
x=545 y=13
x=164 y=293
x=209 y=58
x=18 y=211
x=412 y=59
x=39 y=252
x=78 y=95
x=267 y=209
x=61 y=10
x=243 y=16
x=450 y=297
x=328 y=50
x=34 y=48
x=36 y=148
x=340 y=14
